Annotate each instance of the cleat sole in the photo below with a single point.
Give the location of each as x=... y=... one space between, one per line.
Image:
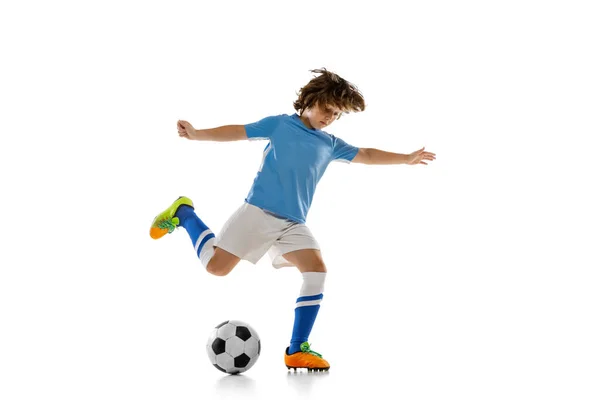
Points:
x=308 y=369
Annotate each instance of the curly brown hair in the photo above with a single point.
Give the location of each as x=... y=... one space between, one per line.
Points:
x=329 y=89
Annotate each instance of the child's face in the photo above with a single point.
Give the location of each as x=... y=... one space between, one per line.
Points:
x=320 y=117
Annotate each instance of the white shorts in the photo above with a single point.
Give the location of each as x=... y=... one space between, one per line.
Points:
x=251 y=232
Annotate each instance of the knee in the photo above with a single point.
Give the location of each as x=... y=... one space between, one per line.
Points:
x=315 y=266
x=318 y=266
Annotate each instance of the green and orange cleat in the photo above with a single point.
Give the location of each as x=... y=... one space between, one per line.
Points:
x=305 y=358
x=166 y=221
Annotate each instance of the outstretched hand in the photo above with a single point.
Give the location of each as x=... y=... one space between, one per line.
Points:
x=420 y=156
x=185 y=129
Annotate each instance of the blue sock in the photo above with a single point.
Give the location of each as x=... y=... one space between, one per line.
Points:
x=194 y=227
x=307 y=308
x=303 y=323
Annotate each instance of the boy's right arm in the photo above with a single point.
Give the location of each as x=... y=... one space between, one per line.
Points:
x=226 y=133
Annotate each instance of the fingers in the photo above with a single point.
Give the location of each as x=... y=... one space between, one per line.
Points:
x=424 y=156
x=181 y=128
x=428 y=156
x=422 y=150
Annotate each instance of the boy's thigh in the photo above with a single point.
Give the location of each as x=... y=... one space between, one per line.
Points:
x=297 y=247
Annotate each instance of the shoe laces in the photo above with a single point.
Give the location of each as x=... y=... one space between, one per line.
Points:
x=169 y=224
x=305 y=348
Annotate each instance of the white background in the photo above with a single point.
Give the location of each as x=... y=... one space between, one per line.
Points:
x=475 y=277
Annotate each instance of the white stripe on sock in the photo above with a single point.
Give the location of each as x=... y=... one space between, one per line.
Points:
x=200 y=238
x=308 y=303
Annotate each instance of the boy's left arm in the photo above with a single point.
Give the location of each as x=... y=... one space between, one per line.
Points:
x=380 y=157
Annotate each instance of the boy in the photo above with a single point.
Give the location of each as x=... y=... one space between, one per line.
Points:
x=272 y=218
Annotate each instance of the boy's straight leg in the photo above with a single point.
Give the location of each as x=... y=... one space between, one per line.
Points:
x=310 y=263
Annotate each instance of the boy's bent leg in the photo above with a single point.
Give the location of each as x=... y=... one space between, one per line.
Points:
x=181 y=213
x=312 y=267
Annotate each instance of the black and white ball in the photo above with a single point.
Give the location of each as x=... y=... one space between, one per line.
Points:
x=233 y=347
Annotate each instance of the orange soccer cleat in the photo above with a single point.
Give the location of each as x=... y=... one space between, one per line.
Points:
x=305 y=358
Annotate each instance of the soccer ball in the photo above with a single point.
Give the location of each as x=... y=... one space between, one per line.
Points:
x=233 y=347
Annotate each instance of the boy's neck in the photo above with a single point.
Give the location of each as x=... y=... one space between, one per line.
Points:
x=306 y=122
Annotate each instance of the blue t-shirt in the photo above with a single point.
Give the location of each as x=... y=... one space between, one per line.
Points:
x=293 y=163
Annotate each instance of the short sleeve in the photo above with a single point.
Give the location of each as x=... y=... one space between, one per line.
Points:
x=343 y=151
x=262 y=129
